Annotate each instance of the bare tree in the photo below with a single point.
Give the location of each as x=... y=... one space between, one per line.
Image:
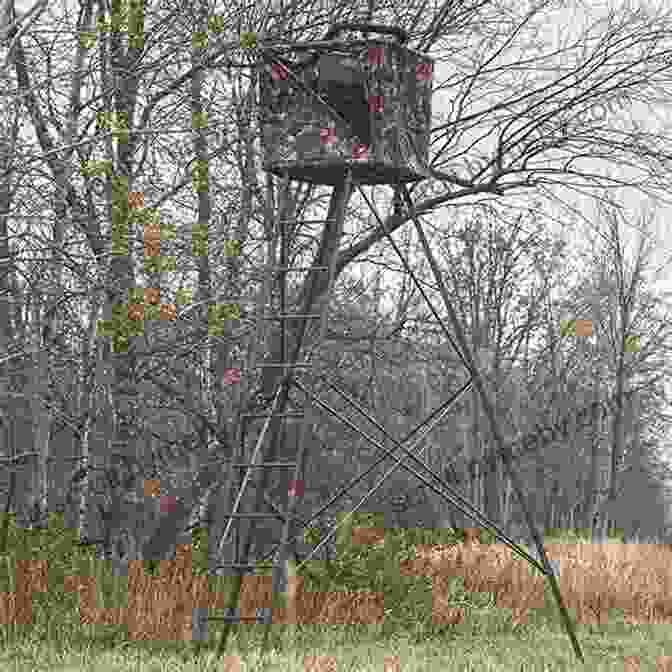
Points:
x=624 y=313
x=516 y=107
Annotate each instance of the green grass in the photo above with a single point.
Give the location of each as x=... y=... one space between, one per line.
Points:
x=486 y=640
x=539 y=650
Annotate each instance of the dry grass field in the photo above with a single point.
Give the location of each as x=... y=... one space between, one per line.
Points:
x=492 y=610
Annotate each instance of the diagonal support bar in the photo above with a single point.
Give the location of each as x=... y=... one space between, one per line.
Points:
x=439 y=411
x=399 y=462
x=439 y=486
x=471 y=511
x=503 y=449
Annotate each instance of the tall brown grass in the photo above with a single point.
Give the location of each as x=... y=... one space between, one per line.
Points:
x=594 y=579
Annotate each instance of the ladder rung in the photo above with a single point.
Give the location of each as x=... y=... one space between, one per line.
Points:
x=290 y=316
x=245 y=465
x=288 y=414
x=289 y=269
x=254 y=515
x=235 y=619
x=312 y=236
x=298 y=365
x=236 y=565
x=303 y=221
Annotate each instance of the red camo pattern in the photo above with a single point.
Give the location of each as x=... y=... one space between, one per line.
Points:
x=397 y=84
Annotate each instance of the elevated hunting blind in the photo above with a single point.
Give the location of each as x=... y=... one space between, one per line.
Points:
x=344 y=114
x=361 y=104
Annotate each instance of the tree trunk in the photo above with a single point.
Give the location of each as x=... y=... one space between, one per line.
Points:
x=162 y=536
x=41 y=427
x=6 y=276
x=591 y=501
x=120 y=282
x=7 y=289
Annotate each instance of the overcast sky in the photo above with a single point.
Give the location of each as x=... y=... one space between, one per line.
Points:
x=651 y=117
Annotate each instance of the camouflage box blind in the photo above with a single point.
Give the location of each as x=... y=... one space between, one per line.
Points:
x=363 y=104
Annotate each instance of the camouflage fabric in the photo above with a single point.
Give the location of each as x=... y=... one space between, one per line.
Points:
x=376 y=120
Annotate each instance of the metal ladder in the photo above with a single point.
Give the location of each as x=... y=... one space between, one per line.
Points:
x=275 y=419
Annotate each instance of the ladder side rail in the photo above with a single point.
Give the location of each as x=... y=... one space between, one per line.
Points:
x=312 y=289
x=264 y=299
x=274 y=225
x=254 y=459
x=328 y=247
x=271 y=379
x=280 y=570
x=247 y=536
x=279 y=350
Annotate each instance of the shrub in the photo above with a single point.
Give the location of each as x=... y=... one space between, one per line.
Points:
x=376 y=567
x=57 y=545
